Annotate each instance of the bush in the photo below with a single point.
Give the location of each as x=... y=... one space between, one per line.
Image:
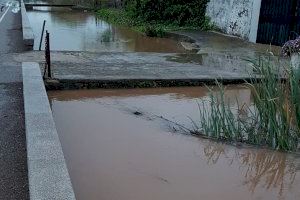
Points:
x=153 y=31
x=290 y=47
x=156 y=17
x=115 y=16
x=176 y=12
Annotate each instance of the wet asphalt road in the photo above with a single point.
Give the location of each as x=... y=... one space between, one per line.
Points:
x=13 y=159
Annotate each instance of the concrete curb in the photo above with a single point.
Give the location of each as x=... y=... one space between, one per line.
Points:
x=28 y=36
x=47 y=171
x=74 y=84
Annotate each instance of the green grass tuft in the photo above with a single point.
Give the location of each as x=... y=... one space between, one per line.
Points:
x=274 y=118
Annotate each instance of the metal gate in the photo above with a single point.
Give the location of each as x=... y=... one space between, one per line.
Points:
x=278 y=22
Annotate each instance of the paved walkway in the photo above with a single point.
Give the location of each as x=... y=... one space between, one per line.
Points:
x=115 y=66
x=13 y=159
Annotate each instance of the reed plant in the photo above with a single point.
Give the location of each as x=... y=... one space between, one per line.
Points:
x=218 y=119
x=272 y=120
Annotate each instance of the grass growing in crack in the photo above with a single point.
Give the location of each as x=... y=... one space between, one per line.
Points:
x=274 y=118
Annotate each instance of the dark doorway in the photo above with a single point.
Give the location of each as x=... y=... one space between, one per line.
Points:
x=278 y=22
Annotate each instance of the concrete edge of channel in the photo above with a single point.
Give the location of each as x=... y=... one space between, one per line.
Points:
x=47 y=170
x=73 y=84
x=28 y=35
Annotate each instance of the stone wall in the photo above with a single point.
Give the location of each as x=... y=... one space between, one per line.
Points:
x=235 y=17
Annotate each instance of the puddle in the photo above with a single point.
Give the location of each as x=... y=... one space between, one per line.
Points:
x=83 y=31
x=187 y=58
x=116 y=148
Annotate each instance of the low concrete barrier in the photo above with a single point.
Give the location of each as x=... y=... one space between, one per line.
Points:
x=47 y=171
x=28 y=36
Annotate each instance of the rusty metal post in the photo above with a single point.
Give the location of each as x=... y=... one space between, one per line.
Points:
x=42 y=35
x=47 y=54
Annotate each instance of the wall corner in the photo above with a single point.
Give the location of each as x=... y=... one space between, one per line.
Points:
x=255 y=20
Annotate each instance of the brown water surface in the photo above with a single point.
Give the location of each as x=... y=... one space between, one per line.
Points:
x=72 y=30
x=117 y=148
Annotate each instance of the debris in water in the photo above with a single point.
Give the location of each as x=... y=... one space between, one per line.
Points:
x=138 y=113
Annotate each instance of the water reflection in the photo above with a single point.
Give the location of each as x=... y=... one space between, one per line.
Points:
x=260 y=168
x=108 y=148
x=184 y=99
x=233 y=93
x=82 y=31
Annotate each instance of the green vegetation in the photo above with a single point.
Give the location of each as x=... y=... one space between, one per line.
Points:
x=116 y=16
x=155 y=17
x=106 y=36
x=273 y=120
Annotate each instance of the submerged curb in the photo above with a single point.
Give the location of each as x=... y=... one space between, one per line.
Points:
x=47 y=171
x=73 y=84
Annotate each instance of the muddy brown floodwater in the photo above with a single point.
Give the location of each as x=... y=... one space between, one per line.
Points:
x=117 y=148
x=82 y=31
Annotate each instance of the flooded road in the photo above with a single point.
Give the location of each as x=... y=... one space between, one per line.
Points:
x=72 y=30
x=117 y=147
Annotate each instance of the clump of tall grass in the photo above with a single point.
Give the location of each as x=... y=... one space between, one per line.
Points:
x=218 y=119
x=272 y=120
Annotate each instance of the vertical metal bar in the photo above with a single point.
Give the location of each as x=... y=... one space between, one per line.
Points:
x=47 y=54
x=42 y=35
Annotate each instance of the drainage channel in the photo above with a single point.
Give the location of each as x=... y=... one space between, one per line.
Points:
x=117 y=146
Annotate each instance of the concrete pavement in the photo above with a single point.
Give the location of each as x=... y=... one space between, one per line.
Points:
x=13 y=159
x=74 y=70
x=116 y=66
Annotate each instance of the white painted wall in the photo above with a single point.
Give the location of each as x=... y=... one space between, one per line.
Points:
x=255 y=20
x=235 y=17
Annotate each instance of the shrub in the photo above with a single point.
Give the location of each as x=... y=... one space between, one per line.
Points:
x=177 y=12
x=291 y=46
x=154 y=31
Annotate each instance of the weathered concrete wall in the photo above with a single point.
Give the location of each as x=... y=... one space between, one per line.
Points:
x=235 y=17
